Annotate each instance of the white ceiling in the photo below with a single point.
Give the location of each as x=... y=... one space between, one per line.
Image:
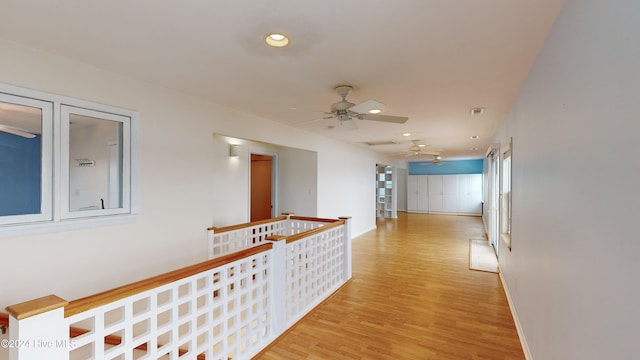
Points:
x=429 y=60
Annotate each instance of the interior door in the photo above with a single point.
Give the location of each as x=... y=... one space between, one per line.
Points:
x=261 y=187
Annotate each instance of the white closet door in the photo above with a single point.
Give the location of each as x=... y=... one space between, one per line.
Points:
x=412 y=193
x=423 y=198
x=450 y=193
x=436 y=193
x=470 y=194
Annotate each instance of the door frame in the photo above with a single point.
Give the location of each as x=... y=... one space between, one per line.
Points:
x=274 y=181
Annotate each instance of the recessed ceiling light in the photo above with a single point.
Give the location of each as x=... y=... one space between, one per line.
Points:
x=475 y=137
x=421 y=145
x=406 y=134
x=277 y=40
x=375 y=111
x=473 y=148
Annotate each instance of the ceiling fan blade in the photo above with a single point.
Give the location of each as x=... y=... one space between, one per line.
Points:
x=14 y=131
x=364 y=107
x=383 y=118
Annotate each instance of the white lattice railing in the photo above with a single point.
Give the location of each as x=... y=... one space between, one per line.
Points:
x=232 y=306
x=315 y=268
x=230 y=239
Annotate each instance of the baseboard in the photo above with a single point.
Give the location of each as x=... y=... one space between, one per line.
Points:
x=353 y=236
x=516 y=320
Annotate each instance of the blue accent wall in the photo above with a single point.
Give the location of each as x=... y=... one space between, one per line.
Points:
x=449 y=167
x=20 y=174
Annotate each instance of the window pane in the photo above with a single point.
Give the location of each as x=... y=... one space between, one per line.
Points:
x=95 y=163
x=20 y=159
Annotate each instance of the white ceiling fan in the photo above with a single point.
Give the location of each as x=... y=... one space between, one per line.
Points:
x=417 y=149
x=437 y=160
x=346 y=111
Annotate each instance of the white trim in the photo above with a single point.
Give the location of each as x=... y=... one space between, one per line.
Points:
x=46 y=155
x=516 y=320
x=67 y=110
x=50 y=227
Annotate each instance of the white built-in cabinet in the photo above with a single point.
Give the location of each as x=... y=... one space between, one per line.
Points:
x=445 y=194
x=417 y=194
x=470 y=194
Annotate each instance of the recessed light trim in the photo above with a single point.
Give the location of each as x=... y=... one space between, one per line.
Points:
x=474 y=137
x=406 y=134
x=276 y=40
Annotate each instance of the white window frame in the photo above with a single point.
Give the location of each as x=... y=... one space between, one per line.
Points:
x=55 y=215
x=46 y=156
x=506 y=193
x=66 y=111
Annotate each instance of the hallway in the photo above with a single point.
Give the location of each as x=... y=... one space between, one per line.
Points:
x=412 y=296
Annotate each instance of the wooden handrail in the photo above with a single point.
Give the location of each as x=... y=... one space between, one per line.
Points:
x=93 y=301
x=246 y=225
x=305 y=218
x=318 y=230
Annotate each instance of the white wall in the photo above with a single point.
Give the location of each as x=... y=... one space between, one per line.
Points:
x=298 y=181
x=573 y=270
x=187 y=182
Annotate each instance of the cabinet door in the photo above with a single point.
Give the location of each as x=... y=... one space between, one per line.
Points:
x=423 y=193
x=412 y=193
x=450 y=193
x=470 y=194
x=436 y=194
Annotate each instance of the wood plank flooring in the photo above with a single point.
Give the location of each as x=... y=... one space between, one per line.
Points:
x=412 y=296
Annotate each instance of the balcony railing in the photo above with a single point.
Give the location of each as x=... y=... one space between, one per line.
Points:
x=262 y=278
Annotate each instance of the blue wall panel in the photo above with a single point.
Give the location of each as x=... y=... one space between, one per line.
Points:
x=448 y=167
x=20 y=174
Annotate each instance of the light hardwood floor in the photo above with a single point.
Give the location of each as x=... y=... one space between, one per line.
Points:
x=412 y=296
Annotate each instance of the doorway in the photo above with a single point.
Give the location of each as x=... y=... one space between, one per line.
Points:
x=262 y=187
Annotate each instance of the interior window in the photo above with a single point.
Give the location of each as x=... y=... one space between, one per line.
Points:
x=63 y=158
x=96 y=173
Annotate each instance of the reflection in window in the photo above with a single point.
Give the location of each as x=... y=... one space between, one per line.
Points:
x=95 y=163
x=96 y=173
x=24 y=178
